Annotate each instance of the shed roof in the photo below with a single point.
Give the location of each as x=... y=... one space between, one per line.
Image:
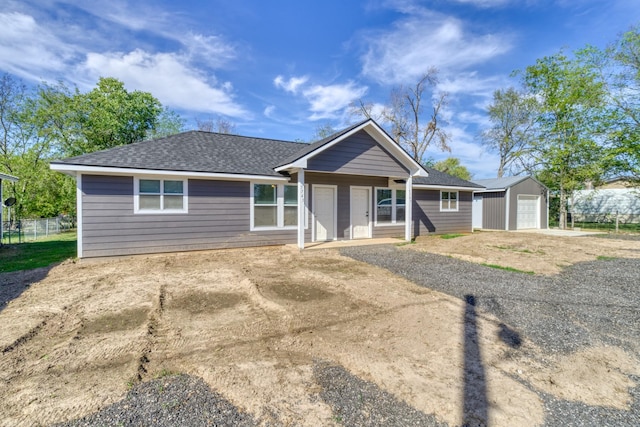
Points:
x=8 y=177
x=500 y=183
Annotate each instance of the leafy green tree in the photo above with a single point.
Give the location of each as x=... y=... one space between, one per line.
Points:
x=169 y=123
x=566 y=151
x=619 y=66
x=452 y=166
x=512 y=117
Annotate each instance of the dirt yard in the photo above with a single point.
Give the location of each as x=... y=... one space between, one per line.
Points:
x=252 y=322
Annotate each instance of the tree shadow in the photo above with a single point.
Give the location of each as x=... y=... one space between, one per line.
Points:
x=14 y=283
x=476 y=406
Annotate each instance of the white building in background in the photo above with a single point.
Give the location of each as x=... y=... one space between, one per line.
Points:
x=615 y=198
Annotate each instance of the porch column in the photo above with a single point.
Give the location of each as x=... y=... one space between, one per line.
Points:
x=301 y=208
x=408 y=208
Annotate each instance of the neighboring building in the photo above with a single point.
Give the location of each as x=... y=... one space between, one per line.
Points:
x=201 y=190
x=512 y=203
x=616 y=198
x=6 y=178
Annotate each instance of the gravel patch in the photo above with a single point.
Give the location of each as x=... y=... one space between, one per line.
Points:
x=356 y=402
x=179 y=400
x=588 y=304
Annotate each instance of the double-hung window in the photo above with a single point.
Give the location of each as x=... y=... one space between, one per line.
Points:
x=448 y=201
x=160 y=196
x=274 y=206
x=390 y=206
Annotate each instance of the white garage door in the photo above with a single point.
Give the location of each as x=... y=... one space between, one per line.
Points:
x=528 y=212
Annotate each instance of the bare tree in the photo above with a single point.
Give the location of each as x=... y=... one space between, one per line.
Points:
x=406 y=115
x=220 y=125
x=322 y=131
x=512 y=118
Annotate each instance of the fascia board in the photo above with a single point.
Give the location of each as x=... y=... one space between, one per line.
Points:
x=441 y=187
x=65 y=168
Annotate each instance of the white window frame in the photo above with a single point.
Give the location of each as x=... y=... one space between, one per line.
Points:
x=161 y=211
x=279 y=207
x=449 y=199
x=394 y=211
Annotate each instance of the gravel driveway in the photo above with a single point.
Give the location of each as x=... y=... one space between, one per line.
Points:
x=592 y=303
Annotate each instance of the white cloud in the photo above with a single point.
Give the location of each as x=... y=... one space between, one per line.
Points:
x=167 y=77
x=28 y=50
x=327 y=101
x=290 y=85
x=426 y=39
x=269 y=110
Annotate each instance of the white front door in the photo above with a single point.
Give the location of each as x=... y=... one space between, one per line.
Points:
x=528 y=212
x=324 y=212
x=476 y=211
x=360 y=206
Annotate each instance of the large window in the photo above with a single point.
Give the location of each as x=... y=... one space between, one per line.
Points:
x=275 y=206
x=390 y=206
x=448 y=200
x=160 y=196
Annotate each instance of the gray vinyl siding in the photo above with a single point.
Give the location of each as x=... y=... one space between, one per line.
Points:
x=344 y=183
x=493 y=210
x=527 y=187
x=218 y=217
x=427 y=217
x=359 y=154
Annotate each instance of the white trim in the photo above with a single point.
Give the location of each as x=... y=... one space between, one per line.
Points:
x=369 y=222
x=394 y=219
x=161 y=211
x=442 y=187
x=302 y=208
x=79 y=212
x=156 y=172
x=408 y=209
x=378 y=135
x=457 y=201
x=279 y=207
x=507 y=197
x=497 y=190
x=335 y=210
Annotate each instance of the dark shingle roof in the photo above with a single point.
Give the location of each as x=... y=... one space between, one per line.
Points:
x=196 y=151
x=444 y=179
x=208 y=152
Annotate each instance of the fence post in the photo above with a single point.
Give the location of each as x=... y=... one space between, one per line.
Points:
x=46 y=227
x=617 y=220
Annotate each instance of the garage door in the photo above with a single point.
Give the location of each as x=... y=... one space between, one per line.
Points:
x=528 y=212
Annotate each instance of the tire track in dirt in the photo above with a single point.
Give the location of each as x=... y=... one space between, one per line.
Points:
x=26 y=337
x=152 y=337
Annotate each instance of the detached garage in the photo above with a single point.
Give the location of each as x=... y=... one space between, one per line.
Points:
x=512 y=203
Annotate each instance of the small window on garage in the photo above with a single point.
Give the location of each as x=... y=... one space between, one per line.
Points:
x=448 y=201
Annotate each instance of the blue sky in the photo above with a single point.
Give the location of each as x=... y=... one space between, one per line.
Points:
x=279 y=68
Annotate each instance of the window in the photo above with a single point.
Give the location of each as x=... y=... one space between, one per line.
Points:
x=275 y=206
x=160 y=196
x=265 y=205
x=390 y=206
x=290 y=205
x=448 y=200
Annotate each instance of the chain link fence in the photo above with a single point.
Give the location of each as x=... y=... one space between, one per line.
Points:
x=27 y=230
x=611 y=222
